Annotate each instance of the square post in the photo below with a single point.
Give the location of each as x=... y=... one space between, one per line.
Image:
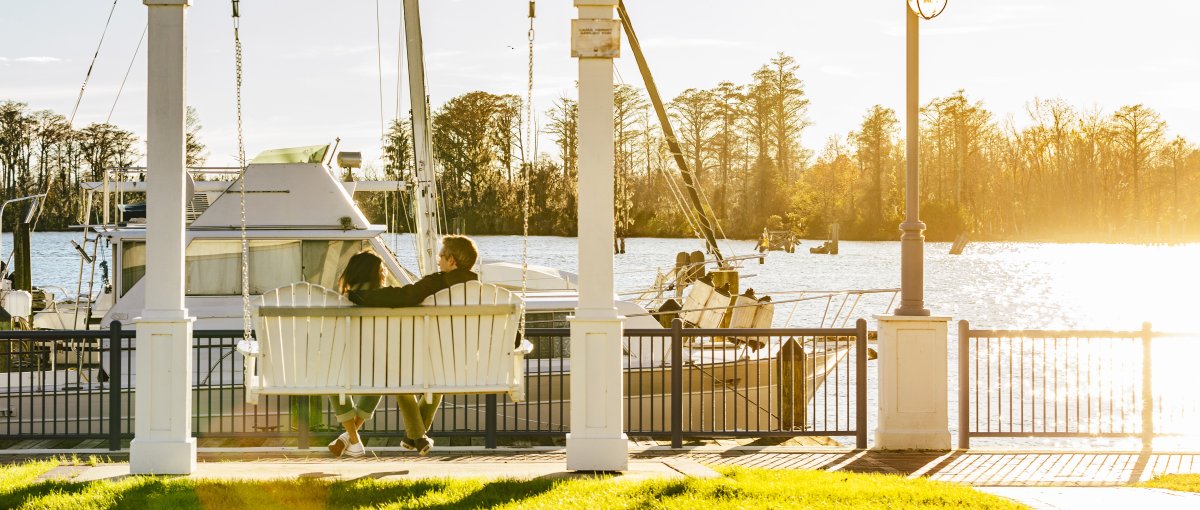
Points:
x=163 y=442
x=913 y=387
x=596 y=441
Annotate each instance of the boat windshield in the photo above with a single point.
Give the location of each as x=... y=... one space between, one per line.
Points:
x=214 y=266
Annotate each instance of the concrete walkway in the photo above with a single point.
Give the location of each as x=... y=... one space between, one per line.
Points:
x=1094 y=498
x=1041 y=479
x=972 y=467
x=391 y=469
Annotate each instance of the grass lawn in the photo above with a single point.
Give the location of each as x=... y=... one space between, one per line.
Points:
x=1188 y=482
x=740 y=488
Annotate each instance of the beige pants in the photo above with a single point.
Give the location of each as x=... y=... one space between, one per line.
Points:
x=417 y=413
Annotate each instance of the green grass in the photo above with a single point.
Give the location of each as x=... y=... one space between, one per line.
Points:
x=1187 y=482
x=739 y=488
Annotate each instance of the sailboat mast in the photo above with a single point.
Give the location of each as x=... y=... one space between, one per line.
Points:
x=425 y=185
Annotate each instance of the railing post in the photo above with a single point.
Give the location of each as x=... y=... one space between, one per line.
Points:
x=490 y=426
x=114 y=386
x=677 y=383
x=1147 y=388
x=860 y=386
x=302 y=438
x=964 y=385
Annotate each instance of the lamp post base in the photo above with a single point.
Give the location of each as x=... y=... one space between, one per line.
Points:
x=913 y=371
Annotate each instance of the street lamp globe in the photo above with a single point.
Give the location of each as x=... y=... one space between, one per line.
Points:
x=927 y=9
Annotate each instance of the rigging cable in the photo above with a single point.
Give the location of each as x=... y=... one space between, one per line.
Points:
x=237 y=52
x=127 y=70
x=41 y=206
x=669 y=133
x=88 y=75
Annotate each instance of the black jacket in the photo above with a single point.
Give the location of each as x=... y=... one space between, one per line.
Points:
x=413 y=294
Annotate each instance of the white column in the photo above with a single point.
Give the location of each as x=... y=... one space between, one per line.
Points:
x=596 y=441
x=163 y=442
x=913 y=371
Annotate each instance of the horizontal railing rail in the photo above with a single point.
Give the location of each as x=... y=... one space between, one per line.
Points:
x=679 y=383
x=1072 y=383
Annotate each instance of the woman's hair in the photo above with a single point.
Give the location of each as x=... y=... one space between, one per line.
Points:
x=364 y=271
x=462 y=249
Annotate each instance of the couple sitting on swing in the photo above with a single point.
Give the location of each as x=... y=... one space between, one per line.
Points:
x=362 y=282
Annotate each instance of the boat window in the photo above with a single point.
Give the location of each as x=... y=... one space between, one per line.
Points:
x=273 y=264
x=133 y=264
x=214 y=267
x=325 y=260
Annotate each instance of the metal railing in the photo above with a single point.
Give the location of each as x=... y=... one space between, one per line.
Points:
x=678 y=383
x=1076 y=383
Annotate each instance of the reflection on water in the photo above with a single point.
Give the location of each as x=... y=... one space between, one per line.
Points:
x=994 y=285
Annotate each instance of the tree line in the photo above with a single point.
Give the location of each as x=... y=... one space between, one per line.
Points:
x=40 y=152
x=1059 y=173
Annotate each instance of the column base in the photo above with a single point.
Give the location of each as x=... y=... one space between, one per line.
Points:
x=912 y=439
x=597 y=453
x=148 y=457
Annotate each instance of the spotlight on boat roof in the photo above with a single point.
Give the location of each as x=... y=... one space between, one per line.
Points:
x=927 y=9
x=349 y=159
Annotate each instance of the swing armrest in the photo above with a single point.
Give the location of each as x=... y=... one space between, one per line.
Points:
x=248 y=348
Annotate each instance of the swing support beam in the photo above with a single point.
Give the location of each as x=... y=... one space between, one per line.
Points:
x=596 y=441
x=163 y=442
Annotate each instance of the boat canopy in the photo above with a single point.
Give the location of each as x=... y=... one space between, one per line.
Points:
x=310 y=154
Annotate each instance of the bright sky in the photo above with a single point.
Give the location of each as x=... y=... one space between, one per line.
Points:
x=311 y=73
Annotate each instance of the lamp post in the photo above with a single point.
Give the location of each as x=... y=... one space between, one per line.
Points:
x=912 y=237
x=913 y=344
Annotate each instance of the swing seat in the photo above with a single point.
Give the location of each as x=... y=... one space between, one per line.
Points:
x=314 y=341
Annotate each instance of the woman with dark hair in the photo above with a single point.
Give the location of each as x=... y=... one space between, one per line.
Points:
x=364 y=271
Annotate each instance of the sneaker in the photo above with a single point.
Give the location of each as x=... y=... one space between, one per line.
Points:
x=356 y=450
x=338 y=445
x=408 y=444
x=424 y=445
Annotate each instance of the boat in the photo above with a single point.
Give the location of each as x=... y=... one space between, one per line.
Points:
x=302 y=224
x=777 y=240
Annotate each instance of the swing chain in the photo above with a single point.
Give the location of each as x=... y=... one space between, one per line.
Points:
x=528 y=167
x=237 y=50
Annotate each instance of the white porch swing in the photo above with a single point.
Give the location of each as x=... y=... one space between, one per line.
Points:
x=314 y=341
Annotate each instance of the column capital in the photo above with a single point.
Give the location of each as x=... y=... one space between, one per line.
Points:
x=588 y=3
x=167 y=3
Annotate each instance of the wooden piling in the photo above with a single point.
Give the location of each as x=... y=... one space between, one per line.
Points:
x=793 y=394
x=22 y=275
